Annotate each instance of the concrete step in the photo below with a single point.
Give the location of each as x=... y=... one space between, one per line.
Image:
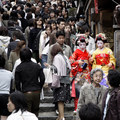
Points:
x=47 y=99
x=49 y=107
x=53 y=116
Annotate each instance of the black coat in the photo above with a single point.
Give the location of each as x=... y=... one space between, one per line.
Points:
x=29 y=76
x=33 y=40
x=113 y=107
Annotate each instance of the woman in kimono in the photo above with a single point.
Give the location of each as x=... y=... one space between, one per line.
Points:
x=80 y=72
x=103 y=57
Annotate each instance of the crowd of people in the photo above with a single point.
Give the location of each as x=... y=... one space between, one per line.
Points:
x=41 y=42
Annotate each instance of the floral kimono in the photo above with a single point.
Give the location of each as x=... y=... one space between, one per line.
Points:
x=79 y=73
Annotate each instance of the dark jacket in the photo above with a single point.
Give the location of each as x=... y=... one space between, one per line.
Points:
x=33 y=40
x=29 y=76
x=113 y=108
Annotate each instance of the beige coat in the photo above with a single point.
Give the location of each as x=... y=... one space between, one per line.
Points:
x=88 y=93
x=13 y=57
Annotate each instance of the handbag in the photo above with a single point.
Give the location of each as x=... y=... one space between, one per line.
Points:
x=55 y=81
x=65 y=79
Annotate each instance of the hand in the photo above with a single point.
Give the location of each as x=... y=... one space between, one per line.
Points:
x=46 y=64
x=80 y=62
x=91 y=60
x=40 y=56
x=71 y=61
x=45 y=35
x=109 y=65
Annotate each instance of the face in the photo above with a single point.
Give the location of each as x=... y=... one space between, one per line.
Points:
x=53 y=25
x=61 y=25
x=48 y=30
x=61 y=39
x=52 y=14
x=72 y=23
x=82 y=46
x=97 y=77
x=37 y=9
x=10 y=106
x=39 y=21
x=100 y=44
x=87 y=33
x=63 y=12
x=67 y=28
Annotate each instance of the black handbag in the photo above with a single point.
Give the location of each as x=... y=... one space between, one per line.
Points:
x=65 y=79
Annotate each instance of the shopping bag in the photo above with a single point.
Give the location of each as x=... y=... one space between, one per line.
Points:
x=55 y=81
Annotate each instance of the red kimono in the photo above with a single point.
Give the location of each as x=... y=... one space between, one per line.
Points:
x=77 y=69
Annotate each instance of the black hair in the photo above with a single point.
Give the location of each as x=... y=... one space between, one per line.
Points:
x=2 y=61
x=100 y=39
x=114 y=78
x=90 y=111
x=31 y=22
x=29 y=16
x=3 y=31
x=51 y=22
x=25 y=54
x=27 y=10
x=19 y=100
x=80 y=40
x=71 y=19
x=14 y=7
x=36 y=19
x=5 y=16
x=14 y=15
x=28 y=5
x=22 y=13
x=18 y=34
x=21 y=6
x=60 y=33
x=10 y=23
x=59 y=20
x=1 y=10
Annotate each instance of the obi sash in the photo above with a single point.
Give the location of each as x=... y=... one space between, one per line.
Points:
x=102 y=59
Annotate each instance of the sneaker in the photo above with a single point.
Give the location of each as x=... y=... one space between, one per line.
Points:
x=57 y=112
x=63 y=119
x=74 y=112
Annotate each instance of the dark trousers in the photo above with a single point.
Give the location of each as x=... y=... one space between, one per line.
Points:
x=36 y=56
x=33 y=101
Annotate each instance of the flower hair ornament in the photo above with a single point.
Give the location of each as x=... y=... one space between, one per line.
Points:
x=101 y=36
x=81 y=38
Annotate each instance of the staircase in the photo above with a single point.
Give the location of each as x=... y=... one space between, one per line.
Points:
x=47 y=110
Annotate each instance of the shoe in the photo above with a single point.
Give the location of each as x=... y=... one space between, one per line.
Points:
x=57 y=112
x=74 y=112
x=63 y=119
